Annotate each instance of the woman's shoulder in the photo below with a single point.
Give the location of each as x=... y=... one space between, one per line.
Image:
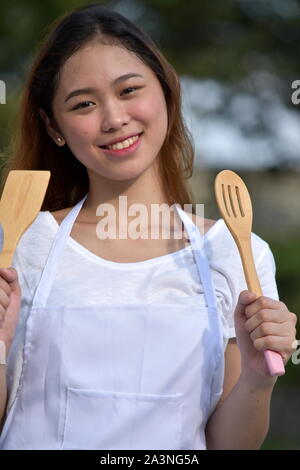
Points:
x=35 y=242
x=221 y=245
x=32 y=250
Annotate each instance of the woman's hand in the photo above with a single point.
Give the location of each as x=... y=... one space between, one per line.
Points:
x=263 y=323
x=10 y=302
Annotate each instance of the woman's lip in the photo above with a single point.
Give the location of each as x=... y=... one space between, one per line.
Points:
x=125 y=151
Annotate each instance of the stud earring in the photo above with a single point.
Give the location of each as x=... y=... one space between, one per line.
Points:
x=59 y=139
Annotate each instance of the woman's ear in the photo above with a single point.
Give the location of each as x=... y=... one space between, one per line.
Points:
x=51 y=129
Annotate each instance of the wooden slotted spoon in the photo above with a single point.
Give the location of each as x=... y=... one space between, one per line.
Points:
x=21 y=201
x=236 y=209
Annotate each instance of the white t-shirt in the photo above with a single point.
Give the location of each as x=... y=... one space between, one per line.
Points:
x=84 y=278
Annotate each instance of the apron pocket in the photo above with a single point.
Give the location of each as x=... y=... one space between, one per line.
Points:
x=119 y=420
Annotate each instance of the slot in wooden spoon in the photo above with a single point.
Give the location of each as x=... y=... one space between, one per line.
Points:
x=236 y=209
x=21 y=201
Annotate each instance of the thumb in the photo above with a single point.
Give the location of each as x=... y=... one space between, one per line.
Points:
x=246 y=297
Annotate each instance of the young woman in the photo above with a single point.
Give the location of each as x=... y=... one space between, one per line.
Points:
x=126 y=343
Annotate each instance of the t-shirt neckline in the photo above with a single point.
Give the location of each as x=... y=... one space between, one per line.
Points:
x=85 y=251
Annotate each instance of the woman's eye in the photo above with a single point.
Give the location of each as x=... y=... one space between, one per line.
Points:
x=82 y=105
x=129 y=90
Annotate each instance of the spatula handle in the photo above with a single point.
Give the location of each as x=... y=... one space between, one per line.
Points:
x=6 y=257
x=273 y=359
x=21 y=200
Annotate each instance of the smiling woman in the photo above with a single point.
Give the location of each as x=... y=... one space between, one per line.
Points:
x=125 y=343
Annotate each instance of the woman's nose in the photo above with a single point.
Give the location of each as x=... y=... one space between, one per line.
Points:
x=114 y=116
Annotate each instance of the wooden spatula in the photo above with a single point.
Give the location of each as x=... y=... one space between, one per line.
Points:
x=21 y=201
x=236 y=209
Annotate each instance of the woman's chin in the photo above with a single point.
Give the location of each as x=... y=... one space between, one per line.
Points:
x=121 y=176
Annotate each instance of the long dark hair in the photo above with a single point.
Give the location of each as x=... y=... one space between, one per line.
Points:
x=33 y=149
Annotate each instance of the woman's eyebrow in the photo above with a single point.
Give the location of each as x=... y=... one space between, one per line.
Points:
x=84 y=91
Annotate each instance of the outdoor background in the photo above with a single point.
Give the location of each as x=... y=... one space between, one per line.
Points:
x=237 y=61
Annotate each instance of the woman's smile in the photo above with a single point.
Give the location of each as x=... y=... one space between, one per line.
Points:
x=123 y=148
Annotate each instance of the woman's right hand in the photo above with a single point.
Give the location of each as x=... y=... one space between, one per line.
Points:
x=10 y=303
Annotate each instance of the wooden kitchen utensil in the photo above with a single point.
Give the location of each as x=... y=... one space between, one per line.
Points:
x=21 y=201
x=236 y=209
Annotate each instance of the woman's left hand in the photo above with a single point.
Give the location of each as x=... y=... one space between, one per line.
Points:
x=263 y=323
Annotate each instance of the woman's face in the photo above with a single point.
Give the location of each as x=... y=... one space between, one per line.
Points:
x=115 y=107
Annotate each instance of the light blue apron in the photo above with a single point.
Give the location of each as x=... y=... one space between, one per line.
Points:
x=118 y=375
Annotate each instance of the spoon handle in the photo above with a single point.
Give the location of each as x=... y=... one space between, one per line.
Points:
x=245 y=249
x=273 y=359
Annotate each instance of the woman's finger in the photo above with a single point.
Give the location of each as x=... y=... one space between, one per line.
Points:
x=265 y=316
x=272 y=329
x=283 y=345
x=263 y=303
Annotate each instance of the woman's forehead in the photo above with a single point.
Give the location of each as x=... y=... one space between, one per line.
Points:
x=101 y=57
x=96 y=60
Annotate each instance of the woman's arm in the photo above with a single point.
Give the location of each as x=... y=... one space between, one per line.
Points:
x=241 y=418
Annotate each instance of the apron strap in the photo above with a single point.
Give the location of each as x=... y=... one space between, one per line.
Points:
x=56 y=253
x=197 y=243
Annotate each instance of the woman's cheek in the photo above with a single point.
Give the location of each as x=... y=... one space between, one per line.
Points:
x=83 y=132
x=156 y=110
x=151 y=109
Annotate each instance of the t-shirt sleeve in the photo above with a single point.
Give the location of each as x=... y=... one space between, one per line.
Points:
x=266 y=271
x=228 y=274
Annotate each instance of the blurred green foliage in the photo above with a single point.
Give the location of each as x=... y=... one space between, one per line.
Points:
x=228 y=39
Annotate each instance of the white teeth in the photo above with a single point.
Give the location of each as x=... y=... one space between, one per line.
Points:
x=123 y=145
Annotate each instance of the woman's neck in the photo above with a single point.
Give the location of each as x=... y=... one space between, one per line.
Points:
x=118 y=195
